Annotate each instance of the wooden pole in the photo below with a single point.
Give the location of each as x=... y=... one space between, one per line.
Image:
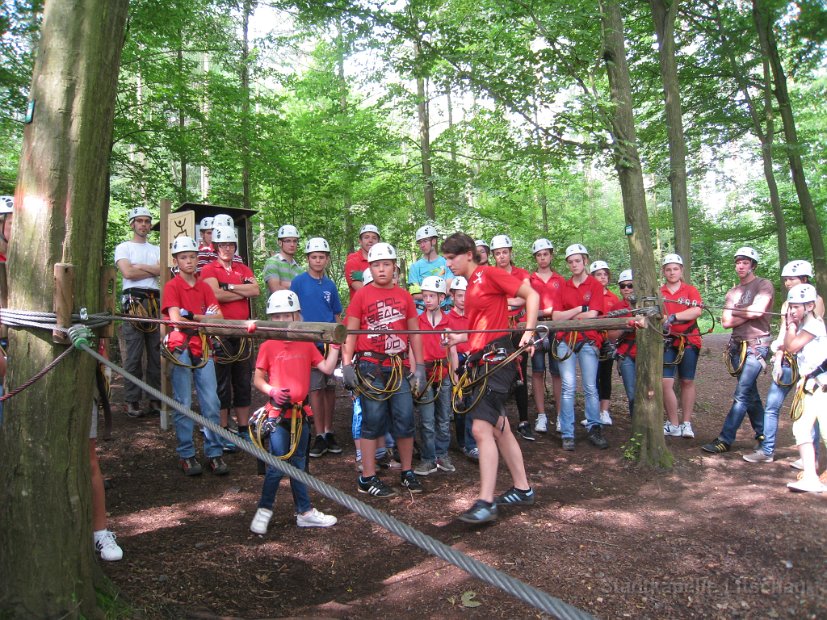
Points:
x=287 y=330
x=589 y=324
x=64 y=281
x=107 y=297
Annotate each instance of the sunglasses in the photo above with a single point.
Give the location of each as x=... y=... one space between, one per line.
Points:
x=626 y=285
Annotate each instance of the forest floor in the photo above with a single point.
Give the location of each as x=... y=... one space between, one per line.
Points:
x=714 y=537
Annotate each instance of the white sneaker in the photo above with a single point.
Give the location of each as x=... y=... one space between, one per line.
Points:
x=541 y=425
x=557 y=426
x=686 y=430
x=105 y=545
x=261 y=521
x=807 y=485
x=758 y=457
x=605 y=418
x=671 y=431
x=314 y=518
x=797 y=464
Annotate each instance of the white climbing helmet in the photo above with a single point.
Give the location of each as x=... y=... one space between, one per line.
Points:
x=316 y=244
x=458 y=283
x=183 y=244
x=542 y=244
x=802 y=294
x=283 y=301
x=224 y=234
x=206 y=224
x=381 y=251
x=426 y=232
x=625 y=276
x=670 y=259
x=134 y=212
x=367 y=277
x=576 y=249
x=501 y=241
x=7 y=205
x=598 y=265
x=434 y=284
x=747 y=252
x=482 y=243
x=796 y=269
x=222 y=219
x=369 y=228
x=288 y=232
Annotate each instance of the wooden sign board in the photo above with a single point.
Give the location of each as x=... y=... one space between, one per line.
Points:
x=181 y=224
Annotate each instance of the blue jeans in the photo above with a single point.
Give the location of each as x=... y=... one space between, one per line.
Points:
x=207 y=390
x=587 y=358
x=775 y=398
x=435 y=422
x=394 y=415
x=747 y=400
x=280 y=444
x=628 y=374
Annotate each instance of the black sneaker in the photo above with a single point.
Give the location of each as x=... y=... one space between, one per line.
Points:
x=596 y=437
x=190 y=466
x=480 y=512
x=374 y=486
x=332 y=446
x=524 y=430
x=568 y=444
x=319 y=447
x=411 y=482
x=218 y=466
x=716 y=447
x=515 y=497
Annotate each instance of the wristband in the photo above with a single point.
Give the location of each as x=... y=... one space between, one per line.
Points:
x=336 y=347
x=223 y=286
x=584 y=308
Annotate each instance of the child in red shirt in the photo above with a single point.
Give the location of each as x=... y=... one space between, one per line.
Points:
x=283 y=373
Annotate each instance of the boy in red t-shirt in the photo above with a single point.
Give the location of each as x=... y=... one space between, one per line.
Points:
x=387 y=403
x=435 y=403
x=283 y=373
x=186 y=298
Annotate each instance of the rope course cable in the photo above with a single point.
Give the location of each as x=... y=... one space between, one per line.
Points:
x=535 y=597
x=37 y=376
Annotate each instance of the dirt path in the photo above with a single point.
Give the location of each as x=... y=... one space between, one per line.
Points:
x=714 y=537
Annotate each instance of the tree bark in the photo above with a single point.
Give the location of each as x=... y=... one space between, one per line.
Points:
x=769 y=47
x=647 y=423
x=47 y=564
x=425 y=140
x=182 y=126
x=247 y=11
x=347 y=195
x=664 y=13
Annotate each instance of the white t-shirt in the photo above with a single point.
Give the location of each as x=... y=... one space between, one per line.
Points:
x=815 y=351
x=139 y=254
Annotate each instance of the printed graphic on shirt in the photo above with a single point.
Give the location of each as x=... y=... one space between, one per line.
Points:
x=381 y=315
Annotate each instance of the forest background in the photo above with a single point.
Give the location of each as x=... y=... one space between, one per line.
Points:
x=488 y=117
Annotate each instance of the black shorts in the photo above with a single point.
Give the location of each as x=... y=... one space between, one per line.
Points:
x=498 y=386
x=235 y=379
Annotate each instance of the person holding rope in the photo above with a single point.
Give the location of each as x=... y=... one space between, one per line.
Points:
x=745 y=313
x=281 y=267
x=488 y=296
x=682 y=345
x=283 y=371
x=140 y=265
x=599 y=270
x=233 y=285
x=187 y=298
x=457 y=321
x=502 y=247
x=376 y=364
x=548 y=284
x=435 y=401
x=783 y=363
x=581 y=299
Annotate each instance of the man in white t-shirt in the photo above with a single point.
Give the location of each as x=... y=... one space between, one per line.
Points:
x=139 y=264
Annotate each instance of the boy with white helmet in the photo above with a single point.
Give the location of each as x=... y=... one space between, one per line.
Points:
x=356 y=264
x=682 y=345
x=283 y=370
x=375 y=364
x=745 y=313
x=206 y=248
x=483 y=250
x=187 y=298
x=806 y=338
x=794 y=273
x=430 y=264
x=281 y=267
x=435 y=400
x=320 y=304
x=458 y=321
x=234 y=285
x=548 y=284
x=599 y=270
x=140 y=265
x=626 y=345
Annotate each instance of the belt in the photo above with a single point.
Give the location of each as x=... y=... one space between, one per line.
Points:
x=145 y=292
x=755 y=342
x=378 y=358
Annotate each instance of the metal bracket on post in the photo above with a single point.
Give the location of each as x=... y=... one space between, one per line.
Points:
x=63 y=298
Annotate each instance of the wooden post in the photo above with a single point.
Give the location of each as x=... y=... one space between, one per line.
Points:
x=107 y=297
x=166 y=206
x=63 y=299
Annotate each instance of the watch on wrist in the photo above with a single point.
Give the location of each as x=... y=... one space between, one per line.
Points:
x=230 y=287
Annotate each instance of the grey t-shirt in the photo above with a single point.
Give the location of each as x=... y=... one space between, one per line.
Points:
x=743 y=296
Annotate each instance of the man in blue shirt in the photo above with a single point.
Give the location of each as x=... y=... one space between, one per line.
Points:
x=432 y=263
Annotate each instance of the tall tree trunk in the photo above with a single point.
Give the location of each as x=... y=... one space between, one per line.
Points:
x=664 y=13
x=424 y=139
x=648 y=417
x=48 y=563
x=769 y=47
x=247 y=11
x=542 y=197
x=182 y=125
x=347 y=194
x=765 y=133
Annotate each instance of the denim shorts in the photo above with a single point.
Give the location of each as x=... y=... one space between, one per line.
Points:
x=396 y=414
x=687 y=365
x=538 y=363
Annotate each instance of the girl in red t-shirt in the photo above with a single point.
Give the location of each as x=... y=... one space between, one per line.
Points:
x=600 y=271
